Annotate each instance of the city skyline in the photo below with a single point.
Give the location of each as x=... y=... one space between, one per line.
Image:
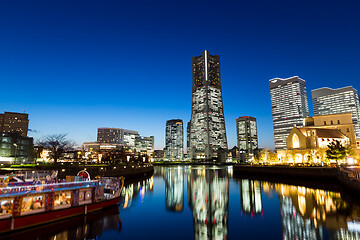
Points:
x=79 y=67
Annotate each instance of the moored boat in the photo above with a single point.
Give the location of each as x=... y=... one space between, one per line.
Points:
x=28 y=205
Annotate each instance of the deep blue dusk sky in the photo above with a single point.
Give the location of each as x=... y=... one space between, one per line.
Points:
x=75 y=66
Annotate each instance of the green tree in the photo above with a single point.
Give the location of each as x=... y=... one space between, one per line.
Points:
x=336 y=151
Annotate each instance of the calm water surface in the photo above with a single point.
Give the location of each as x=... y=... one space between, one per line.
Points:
x=208 y=203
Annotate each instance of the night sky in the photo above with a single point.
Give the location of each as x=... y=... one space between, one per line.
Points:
x=74 y=65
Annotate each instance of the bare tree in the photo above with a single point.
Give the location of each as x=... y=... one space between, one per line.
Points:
x=57 y=144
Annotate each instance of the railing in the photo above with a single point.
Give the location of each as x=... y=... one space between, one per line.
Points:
x=42 y=188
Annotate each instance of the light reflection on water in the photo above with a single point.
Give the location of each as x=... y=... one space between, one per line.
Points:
x=208 y=203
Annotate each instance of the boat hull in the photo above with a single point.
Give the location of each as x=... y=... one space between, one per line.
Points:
x=21 y=222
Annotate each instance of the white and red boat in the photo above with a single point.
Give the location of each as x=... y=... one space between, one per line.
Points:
x=25 y=205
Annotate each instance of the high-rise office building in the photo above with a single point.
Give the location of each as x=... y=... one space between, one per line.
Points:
x=174 y=139
x=247 y=139
x=11 y=122
x=289 y=105
x=109 y=135
x=144 y=145
x=117 y=136
x=207 y=128
x=341 y=100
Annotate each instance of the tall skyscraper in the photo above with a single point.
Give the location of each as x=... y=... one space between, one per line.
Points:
x=289 y=105
x=247 y=139
x=207 y=129
x=341 y=100
x=174 y=139
x=11 y=122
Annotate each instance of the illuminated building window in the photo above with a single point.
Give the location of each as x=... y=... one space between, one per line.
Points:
x=295 y=140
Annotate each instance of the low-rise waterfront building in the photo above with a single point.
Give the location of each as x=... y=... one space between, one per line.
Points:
x=159 y=155
x=341 y=121
x=15 y=148
x=308 y=144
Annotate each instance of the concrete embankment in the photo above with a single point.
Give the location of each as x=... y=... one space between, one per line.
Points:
x=287 y=171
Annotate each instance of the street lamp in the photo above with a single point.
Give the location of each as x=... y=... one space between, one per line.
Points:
x=15 y=152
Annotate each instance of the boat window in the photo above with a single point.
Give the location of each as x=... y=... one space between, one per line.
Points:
x=62 y=199
x=85 y=196
x=88 y=195
x=33 y=203
x=6 y=206
x=81 y=196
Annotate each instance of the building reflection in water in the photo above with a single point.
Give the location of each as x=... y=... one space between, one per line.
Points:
x=250 y=197
x=305 y=212
x=174 y=189
x=135 y=191
x=84 y=227
x=208 y=192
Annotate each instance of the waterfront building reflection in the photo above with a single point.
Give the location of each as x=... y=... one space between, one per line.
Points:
x=133 y=191
x=208 y=192
x=174 y=189
x=306 y=211
x=250 y=197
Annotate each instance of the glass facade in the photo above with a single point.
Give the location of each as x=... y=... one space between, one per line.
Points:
x=207 y=125
x=174 y=139
x=289 y=105
x=342 y=100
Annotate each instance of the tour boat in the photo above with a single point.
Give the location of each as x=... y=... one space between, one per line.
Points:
x=26 y=205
